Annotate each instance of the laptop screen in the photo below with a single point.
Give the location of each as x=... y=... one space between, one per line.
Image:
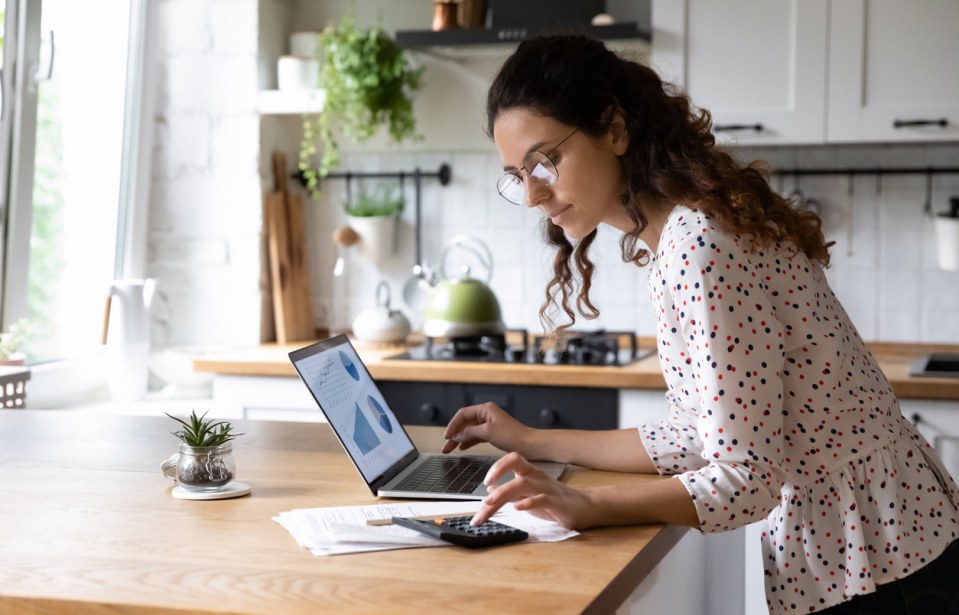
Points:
x=354 y=406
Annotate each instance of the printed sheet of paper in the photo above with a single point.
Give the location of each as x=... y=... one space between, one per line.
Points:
x=343 y=529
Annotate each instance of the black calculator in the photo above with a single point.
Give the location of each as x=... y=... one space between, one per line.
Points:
x=458 y=531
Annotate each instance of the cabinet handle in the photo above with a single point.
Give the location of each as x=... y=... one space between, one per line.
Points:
x=548 y=417
x=941 y=123
x=429 y=412
x=728 y=127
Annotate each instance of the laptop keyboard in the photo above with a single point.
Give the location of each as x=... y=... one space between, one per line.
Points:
x=447 y=475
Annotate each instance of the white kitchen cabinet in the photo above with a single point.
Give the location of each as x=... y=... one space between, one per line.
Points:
x=757 y=65
x=814 y=71
x=892 y=62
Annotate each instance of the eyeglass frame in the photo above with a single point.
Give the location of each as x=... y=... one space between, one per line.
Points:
x=517 y=173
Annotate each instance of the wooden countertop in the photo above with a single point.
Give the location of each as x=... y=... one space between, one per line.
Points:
x=90 y=527
x=271 y=360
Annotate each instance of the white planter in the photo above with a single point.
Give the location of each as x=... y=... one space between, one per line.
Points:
x=947 y=242
x=377 y=236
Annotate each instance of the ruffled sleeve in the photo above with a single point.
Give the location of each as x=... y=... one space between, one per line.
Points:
x=733 y=345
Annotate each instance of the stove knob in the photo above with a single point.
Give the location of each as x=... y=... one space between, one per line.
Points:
x=516 y=355
x=548 y=417
x=429 y=413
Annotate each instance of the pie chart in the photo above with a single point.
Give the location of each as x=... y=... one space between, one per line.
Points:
x=380 y=415
x=349 y=366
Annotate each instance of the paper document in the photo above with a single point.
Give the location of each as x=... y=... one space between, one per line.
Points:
x=343 y=529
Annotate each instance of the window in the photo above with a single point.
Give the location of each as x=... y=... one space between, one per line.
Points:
x=71 y=114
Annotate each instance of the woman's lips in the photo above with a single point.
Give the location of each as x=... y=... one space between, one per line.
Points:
x=554 y=216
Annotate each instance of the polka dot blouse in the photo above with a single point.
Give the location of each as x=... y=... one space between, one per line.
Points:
x=778 y=414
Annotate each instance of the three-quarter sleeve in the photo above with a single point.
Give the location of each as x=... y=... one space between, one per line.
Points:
x=732 y=352
x=673 y=443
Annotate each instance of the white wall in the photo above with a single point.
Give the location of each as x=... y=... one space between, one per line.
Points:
x=203 y=238
x=211 y=167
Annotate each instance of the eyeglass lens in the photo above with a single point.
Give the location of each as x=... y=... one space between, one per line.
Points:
x=540 y=169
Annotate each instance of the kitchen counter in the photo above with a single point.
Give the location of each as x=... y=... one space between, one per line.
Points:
x=271 y=360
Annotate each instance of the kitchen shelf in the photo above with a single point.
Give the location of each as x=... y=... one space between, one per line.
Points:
x=290 y=102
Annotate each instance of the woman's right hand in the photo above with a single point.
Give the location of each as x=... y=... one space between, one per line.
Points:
x=485 y=423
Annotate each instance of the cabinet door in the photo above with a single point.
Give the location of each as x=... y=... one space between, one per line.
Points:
x=892 y=65
x=759 y=66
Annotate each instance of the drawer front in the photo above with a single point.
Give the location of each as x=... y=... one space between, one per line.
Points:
x=419 y=403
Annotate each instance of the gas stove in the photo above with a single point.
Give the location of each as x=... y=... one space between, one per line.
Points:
x=599 y=348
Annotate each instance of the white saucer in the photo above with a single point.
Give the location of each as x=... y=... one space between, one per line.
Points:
x=232 y=489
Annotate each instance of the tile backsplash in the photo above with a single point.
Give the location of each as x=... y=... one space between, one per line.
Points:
x=883 y=262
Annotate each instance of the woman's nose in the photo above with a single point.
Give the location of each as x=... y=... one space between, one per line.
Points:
x=536 y=192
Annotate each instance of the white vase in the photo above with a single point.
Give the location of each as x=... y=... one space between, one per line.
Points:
x=947 y=242
x=377 y=236
x=128 y=338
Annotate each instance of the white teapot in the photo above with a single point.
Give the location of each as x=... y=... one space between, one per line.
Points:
x=380 y=323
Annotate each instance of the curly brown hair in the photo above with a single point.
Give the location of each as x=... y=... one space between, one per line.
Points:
x=672 y=157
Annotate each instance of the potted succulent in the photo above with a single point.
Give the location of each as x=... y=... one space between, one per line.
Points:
x=205 y=460
x=373 y=215
x=369 y=83
x=11 y=343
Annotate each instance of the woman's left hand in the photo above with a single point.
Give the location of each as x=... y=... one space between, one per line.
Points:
x=534 y=491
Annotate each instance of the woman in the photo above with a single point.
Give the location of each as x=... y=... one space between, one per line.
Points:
x=777 y=411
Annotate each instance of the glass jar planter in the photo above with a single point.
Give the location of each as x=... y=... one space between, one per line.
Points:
x=202 y=468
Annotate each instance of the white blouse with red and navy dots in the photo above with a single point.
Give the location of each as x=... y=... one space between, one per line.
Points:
x=779 y=414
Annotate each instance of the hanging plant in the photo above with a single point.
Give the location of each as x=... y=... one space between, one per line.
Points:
x=385 y=200
x=369 y=84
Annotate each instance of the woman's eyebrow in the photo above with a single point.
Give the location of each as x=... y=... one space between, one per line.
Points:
x=534 y=148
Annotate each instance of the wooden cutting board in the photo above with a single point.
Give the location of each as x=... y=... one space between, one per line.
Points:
x=289 y=272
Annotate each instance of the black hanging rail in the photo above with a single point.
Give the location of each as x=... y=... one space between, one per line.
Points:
x=443 y=174
x=880 y=171
x=851 y=172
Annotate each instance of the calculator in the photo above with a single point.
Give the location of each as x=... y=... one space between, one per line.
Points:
x=457 y=530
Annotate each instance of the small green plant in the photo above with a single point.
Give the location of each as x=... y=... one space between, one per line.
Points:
x=12 y=341
x=369 y=83
x=385 y=201
x=200 y=432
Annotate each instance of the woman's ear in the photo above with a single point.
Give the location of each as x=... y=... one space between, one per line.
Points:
x=619 y=136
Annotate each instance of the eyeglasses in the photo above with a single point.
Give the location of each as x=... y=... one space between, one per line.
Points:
x=538 y=167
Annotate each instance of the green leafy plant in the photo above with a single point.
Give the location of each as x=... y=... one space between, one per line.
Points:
x=385 y=201
x=12 y=341
x=369 y=84
x=199 y=432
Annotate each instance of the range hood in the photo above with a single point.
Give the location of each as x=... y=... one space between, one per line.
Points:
x=512 y=34
x=510 y=21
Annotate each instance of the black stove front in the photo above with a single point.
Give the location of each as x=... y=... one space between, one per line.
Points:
x=599 y=348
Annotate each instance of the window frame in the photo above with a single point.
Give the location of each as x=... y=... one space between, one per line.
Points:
x=70 y=379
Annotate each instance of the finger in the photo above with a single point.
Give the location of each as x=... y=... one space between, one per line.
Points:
x=541 y=506
x=463 y=417
x=452 y=445
x=485 y=511
x=510 y=462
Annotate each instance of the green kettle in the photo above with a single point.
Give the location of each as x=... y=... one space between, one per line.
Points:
x=463 y=306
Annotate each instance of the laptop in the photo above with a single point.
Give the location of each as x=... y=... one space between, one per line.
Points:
x=373 y=438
